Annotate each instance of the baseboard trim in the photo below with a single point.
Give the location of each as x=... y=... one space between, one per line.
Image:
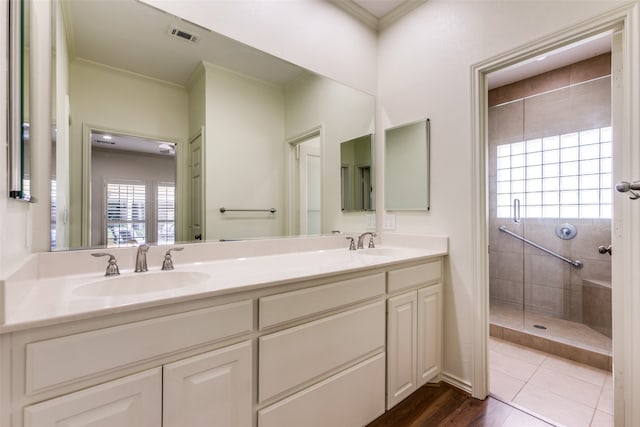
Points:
x=456 y=382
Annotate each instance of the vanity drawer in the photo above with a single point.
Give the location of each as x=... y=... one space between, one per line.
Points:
x=297 y=355
x=280 y=308
x=353 y=397
x=65 y=359
x=411 y=277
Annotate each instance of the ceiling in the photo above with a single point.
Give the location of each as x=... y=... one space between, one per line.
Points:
x=566 y=55
x=133 y=36
x=113 y=141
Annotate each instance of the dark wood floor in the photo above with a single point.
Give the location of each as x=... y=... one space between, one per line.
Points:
x=444 y=405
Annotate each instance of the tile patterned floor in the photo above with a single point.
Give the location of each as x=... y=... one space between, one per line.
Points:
x=562 y=391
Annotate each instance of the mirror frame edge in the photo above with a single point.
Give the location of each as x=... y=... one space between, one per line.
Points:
x=14 y=95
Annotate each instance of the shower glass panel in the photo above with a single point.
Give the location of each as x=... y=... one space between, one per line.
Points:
x=551 y=162
x=567 y=134
x=507 y=194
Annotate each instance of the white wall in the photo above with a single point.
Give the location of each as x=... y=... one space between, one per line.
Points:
x=244 y=155
x=124 y=102
x=14 y=215
x=313 y=34
x=424 y=67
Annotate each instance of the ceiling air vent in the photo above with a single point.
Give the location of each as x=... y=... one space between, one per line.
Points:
x=101 y=141
x=181 y=34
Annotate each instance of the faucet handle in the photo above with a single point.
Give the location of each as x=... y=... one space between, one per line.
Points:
x=372 y=244
x=352 y=245
x=112 y=267
x=167 y=264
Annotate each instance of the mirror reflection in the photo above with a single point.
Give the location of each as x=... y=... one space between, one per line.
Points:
x=407 y=167
x=18 y=101
x=233 y=115
x=356 y=181
x=133 y=181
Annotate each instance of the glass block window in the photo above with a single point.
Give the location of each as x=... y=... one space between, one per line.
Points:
x=562 y=176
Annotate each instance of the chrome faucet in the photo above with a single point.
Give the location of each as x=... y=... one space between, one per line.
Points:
x=141 y=258
x=361 y=239
x=112 y=267
x=167 y=264
x=352 y=243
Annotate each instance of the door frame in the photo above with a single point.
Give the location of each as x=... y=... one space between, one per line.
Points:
x=624 y=22
x=87 y=130
x=292 y=216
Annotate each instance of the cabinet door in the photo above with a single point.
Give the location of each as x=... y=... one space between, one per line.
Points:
x=429 y=333
x=401 y=347
x=213 y=388
x=133 y=401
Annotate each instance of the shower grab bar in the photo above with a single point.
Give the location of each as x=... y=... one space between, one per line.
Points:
x=577 y=263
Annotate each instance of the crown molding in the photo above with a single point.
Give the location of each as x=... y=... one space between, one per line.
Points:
x=357 y=12
x=372 y=21
x=399 y=12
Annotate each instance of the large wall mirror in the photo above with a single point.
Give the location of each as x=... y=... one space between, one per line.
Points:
x=356 y=174
x=406 y=184
x=223 y=114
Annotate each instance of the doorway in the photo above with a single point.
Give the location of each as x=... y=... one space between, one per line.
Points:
x=309 y=186
x=550 y=188
x=623 y=22
x=304 y=192
x=131 y=185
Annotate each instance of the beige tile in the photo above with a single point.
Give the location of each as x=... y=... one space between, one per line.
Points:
x=602 y=419
x=519 y=352
x=567 y=386
x=605 y=404
x=554 y=407
x=511 y=366
x=577 y=370
x=504 y=386
x=520 y=419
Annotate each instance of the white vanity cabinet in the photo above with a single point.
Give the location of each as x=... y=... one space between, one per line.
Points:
x=414 y=329
x=186 y=372
x=337 y=349
x=192 y=392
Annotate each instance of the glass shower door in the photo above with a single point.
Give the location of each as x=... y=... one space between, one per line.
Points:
x=506 y=221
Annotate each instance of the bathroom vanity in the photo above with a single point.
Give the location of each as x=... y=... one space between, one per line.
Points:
x=314 y=338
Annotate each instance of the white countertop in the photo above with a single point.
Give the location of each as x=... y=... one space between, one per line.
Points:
x=41 y=301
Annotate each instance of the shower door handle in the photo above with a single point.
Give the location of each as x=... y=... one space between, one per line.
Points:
x=516 y=211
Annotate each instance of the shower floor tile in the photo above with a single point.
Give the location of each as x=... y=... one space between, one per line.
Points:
x=561 y=330
x=559 y=390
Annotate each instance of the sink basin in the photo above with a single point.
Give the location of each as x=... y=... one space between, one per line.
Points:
x=380 y=251
x=140 y=283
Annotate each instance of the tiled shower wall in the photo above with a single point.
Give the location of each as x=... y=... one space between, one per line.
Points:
x=570 y=99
